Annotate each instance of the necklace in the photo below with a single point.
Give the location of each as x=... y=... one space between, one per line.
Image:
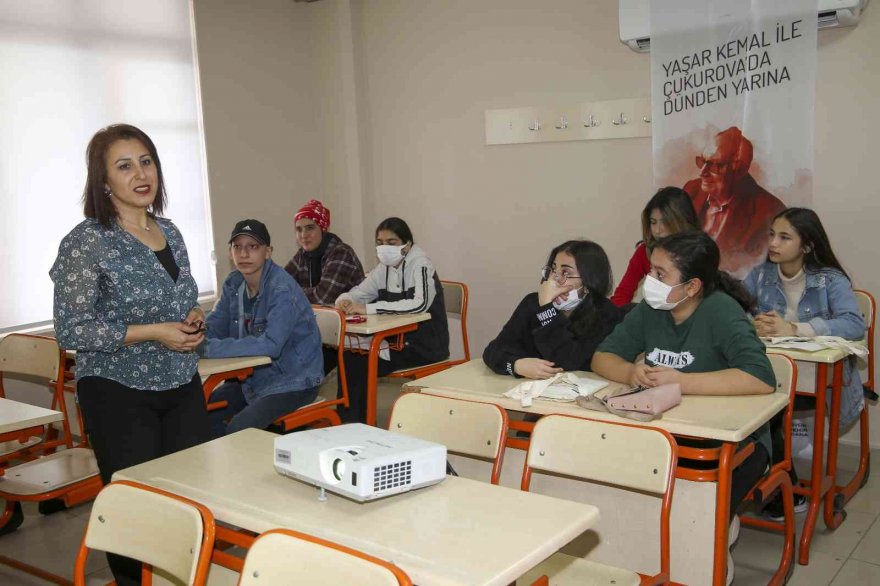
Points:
x=144 y=227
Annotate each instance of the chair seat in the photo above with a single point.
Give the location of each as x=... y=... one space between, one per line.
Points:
x=49 y=472
x=420 y=367
x=565 y=570
x=318 y=400
x=10 y=447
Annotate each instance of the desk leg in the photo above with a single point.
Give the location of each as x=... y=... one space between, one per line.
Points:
x=373 y=368
x=817 y=479
x=373 y=377
x=722 y=514
x=833 y=518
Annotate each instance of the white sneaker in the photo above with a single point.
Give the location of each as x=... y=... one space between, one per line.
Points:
x=733 y=532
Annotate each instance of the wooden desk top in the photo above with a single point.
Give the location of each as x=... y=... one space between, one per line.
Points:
x=825 y=356
x=385 y=321
x=209 y=366
x=15 y=415
x=729 y=419
x=459 y=531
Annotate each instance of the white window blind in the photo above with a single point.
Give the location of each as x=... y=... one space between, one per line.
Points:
x=67 y=69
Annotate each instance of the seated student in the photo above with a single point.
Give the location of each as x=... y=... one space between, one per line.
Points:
x=559 y=327
x=670 y=211
x=404 y=282
x=324 y=266
x=693 y=329
x=802 y=290
x=262 y=312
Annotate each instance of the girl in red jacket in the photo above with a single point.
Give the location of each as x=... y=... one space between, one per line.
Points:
x=670 y=211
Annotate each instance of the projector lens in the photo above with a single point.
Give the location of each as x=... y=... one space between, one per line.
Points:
x=338 y=469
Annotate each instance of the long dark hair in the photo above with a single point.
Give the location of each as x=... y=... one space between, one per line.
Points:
x=96 y=203
x=809 y=227
x=398 y=226
x=595 y=272
x=696 y=256
x=677 y=209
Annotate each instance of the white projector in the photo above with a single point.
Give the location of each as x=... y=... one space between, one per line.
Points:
x=359 y=461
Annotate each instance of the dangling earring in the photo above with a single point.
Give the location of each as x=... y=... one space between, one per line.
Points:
x=107 y=192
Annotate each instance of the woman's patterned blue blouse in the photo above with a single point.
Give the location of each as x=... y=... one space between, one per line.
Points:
x=105 y=280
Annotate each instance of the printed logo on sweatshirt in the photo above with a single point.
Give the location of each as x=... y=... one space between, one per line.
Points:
x=545 y=316
x=660 y=357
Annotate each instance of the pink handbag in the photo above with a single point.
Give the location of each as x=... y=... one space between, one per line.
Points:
x=639 y=403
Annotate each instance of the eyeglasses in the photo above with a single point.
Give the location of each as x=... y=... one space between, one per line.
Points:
x=713 y=166
x=561 y=278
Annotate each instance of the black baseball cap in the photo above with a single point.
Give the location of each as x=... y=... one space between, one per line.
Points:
x=253 y=228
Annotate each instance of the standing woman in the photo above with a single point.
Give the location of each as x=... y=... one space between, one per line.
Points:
x=558 y=327
x=125 y=300
x=405 y=281
x=670 y=211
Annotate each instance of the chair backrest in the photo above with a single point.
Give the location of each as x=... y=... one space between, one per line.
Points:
x=868 y=307
x=331 y=323
x=455 y=294
x=155 y=527
x=282 y=556
x=39 y=357
x=464 y=427
x=785 y=371
x=30 y=355
x=629 y=456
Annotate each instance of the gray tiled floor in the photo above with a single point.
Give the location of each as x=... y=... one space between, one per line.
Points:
x=848 y=556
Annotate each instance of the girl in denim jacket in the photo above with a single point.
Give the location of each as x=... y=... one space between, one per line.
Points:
x=802 y=290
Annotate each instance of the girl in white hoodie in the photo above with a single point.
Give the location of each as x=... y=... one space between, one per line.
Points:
x=405 y=281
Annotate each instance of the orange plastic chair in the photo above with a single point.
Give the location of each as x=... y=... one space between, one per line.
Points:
x=603 y=454
x=282 y=556
x=455 y=294
x=777 y=478
x=469 y=428
x=43 y=473
x=163 y=530
x=322 y=411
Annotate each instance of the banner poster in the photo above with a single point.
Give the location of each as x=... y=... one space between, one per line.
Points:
x=732 y=86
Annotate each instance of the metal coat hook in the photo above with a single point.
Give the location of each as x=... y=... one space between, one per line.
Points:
x=620 y=120
x=535 y=126
x=563 y=123
x=646 y=119
x=591 y=122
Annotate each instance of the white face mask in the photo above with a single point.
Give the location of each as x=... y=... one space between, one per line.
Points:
x=571 y=300
x=390 y=255
x=656 y=292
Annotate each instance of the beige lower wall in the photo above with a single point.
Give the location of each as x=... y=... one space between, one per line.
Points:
x=378 y=106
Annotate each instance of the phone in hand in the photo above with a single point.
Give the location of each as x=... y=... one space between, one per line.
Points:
x=200 y=327
x=356 y=319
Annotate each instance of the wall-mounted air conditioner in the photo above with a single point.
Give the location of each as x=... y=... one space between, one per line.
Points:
x=635 y=19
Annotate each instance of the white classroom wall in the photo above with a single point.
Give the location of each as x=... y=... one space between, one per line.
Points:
x=377 y=107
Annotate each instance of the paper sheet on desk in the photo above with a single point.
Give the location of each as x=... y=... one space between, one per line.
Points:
x=816 y=343
x=564 y=386
x=362 y=342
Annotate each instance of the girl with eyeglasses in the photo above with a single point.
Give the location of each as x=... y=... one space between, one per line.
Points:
x=558 y=327
x=670 y=211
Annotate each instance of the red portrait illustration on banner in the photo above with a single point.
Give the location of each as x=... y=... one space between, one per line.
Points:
x=732 y=208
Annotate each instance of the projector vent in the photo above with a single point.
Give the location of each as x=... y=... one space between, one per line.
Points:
x=392 y=476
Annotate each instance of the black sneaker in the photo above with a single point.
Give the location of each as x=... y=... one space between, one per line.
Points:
x=774 y=511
